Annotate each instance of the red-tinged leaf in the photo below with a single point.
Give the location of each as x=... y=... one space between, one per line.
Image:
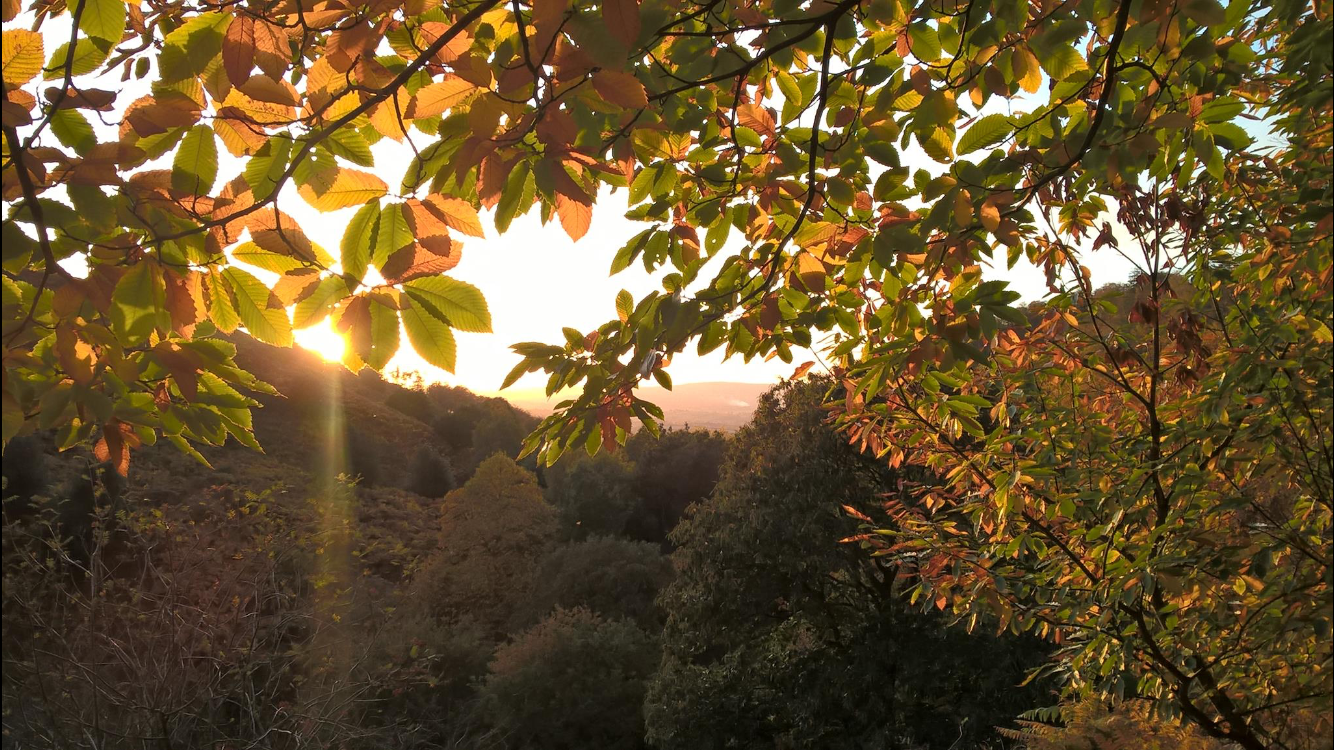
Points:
x=114 y=446
x=416 y=261
x=548 y=16
x=622 y=19
x=622 y=89
x=238 y=49
x=457 y=214
x=860 y=516
x=349 y=44
x=756 y=117
x=185 y=301
x=801 y=371
x=455 y=48
x=575 y=216
x=422 y=221
x=442 y=245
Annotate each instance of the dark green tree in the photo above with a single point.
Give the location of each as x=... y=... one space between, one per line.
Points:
x=612 y=577
x=779 y=635
x=672 y=470
x=432 y=476
x=574 y=681
x=595 y=495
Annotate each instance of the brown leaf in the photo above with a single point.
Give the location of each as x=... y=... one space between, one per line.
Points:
x=238 y=49
x=185 y=301
x=349 y=44
x=622 y=19
x=453 y=49
x=621 y=89
x=265 y=89
x=98 y=99
x=416 y=261
x=152 y=115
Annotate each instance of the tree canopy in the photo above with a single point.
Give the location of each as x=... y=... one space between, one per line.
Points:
x=1150 y=485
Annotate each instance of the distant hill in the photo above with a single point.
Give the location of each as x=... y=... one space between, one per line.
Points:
x=715 y=406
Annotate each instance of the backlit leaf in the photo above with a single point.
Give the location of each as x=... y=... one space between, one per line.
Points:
x=195 y=167
x=458 y=302
x=259 y=309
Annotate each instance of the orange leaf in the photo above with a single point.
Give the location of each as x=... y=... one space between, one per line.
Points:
x=575 y=216
x=456 y=213
x=755 y=117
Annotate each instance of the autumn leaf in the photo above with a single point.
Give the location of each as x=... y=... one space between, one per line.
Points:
x=348 y=188
x=622 y=20
x=620 y=88
x=455 y=213
x=438 y=97
x=23 y=55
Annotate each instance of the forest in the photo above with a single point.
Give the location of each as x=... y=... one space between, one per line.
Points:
x=1050 y=464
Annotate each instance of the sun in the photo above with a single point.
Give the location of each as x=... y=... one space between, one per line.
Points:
x=323 y=340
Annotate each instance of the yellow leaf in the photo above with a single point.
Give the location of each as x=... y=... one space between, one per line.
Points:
x=348 y=188
x=458 y=214
x=23 y=56
x=436 y=98
x=386 y=120
x=990 y=216
x=1027 y=70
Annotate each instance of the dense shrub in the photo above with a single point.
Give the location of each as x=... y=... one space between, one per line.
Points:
x=595 y=495
x=614 y=578
x=493 y=530
x=573 y=681
x=431 y=476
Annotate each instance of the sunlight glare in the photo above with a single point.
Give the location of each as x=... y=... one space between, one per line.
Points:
x=323 y=340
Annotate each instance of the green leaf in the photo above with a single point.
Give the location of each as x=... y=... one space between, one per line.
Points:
x=788 y=85
x=1230 y=136
x=221 y=309
x=103 y=19
x=252 y=254
x=985 y=132
x=264 y=169
x=316 y=305
x=195 y=167
x=188 y=50
x=430 y=336
x=135 y=303
x=1062 y=62
x=625 y=304
x=1204 y=12
x=392 y=233
x=88 y=55
x=458 y=302
x=925 y=42
x=384 y=335
x=73 y=130
x=260 y=311
x=350 y=145
x=358 y=240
